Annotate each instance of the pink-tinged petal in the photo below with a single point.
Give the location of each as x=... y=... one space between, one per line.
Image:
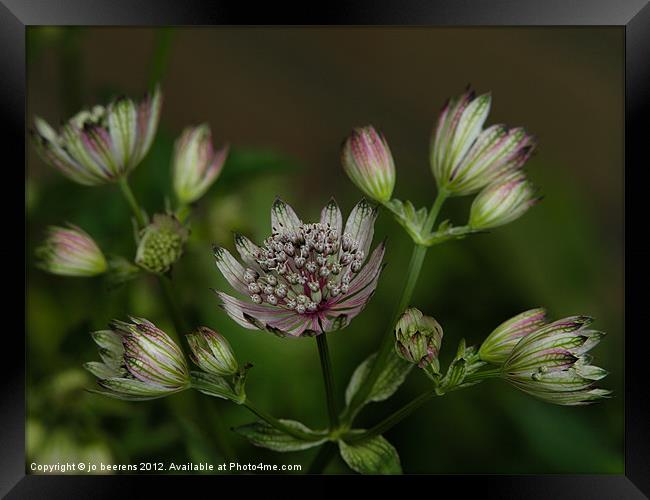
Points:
x=283 y=217
x=123 y=129
x=148 y=118
x=447 y=123
x=97 y=142
x=61 y=159
x=231 y=269
x=369 y=272
x=331 y=214
x=494 y=150
x=135 y=388
x=254 y=316
x=361 y=224
x=469 y=126
x=552 y=359
x=247 y=250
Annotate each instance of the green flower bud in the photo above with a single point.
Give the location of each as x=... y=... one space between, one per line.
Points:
x=502 y=202
x=196 y=164
x=499 y=344
x=466 y=157
x=368 y=162
x=418 y=339
x=161 y=244
x=139 y=362
x=71 y=252
x=212 y=352
x=552 y=363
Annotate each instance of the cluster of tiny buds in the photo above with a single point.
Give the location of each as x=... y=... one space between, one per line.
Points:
x=303 y=268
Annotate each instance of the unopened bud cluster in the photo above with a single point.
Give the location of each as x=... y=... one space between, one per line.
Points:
x=418 y=339
x=161 y=244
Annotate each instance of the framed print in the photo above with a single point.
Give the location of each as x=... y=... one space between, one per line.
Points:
x=376 y=241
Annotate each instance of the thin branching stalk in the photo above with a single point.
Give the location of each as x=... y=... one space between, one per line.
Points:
x=133 y=203
x=412 y=275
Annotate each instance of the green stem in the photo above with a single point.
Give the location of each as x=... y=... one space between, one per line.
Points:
x=133 y=203
x=325 y=454
x=274 y=422
x=409 y=408
x=326 y=366
x=412 y=275
x=393 y=419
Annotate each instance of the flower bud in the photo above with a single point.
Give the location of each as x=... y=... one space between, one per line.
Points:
x=102 y=144
x=71 y=252
x=499 y=344
x=139 y=361
x=464 y=156
x=212 y=352
x=503 y=201
x=418 y=339
x=551 y=363
x=196 y=165
x=161 y=244
x=368 y=162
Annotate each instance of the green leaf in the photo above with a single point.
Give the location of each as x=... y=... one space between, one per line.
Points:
x=213 y=385
x=264 y=435
x=447 y=232
x=371 y=456
x=409 y=218
x=465 y=362
x=393 y=375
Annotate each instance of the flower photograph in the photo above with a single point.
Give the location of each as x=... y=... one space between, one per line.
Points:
x=324 y=250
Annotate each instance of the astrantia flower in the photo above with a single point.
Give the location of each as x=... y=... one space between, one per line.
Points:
x=161 y=244
x=306 y=279
x=139 y=361
x=464 y=157
x=368 y=162
x=499 y=344
x=212 y=352
x=503 y=201
x=551 y=363
x=418 y=339
x=70 y=252
x=196 y=164
x=101 y=145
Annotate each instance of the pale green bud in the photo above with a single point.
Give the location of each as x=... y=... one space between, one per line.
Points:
x=418 y=339
x=161 y=244
x=212 y=352
x=368 y=162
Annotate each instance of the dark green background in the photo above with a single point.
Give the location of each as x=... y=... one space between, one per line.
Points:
x=285 y=99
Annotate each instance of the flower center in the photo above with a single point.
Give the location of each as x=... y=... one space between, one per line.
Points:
x=305 y=268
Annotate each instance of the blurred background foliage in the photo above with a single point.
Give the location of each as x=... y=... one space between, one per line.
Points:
x=285 y=99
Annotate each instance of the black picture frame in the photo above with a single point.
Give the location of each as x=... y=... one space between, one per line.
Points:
x=633 y=16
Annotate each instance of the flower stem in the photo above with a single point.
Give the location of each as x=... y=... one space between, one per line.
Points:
x=412 y=275
x=130 y=198
x=274 y=422
x=326 y=366
x=393 y=419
